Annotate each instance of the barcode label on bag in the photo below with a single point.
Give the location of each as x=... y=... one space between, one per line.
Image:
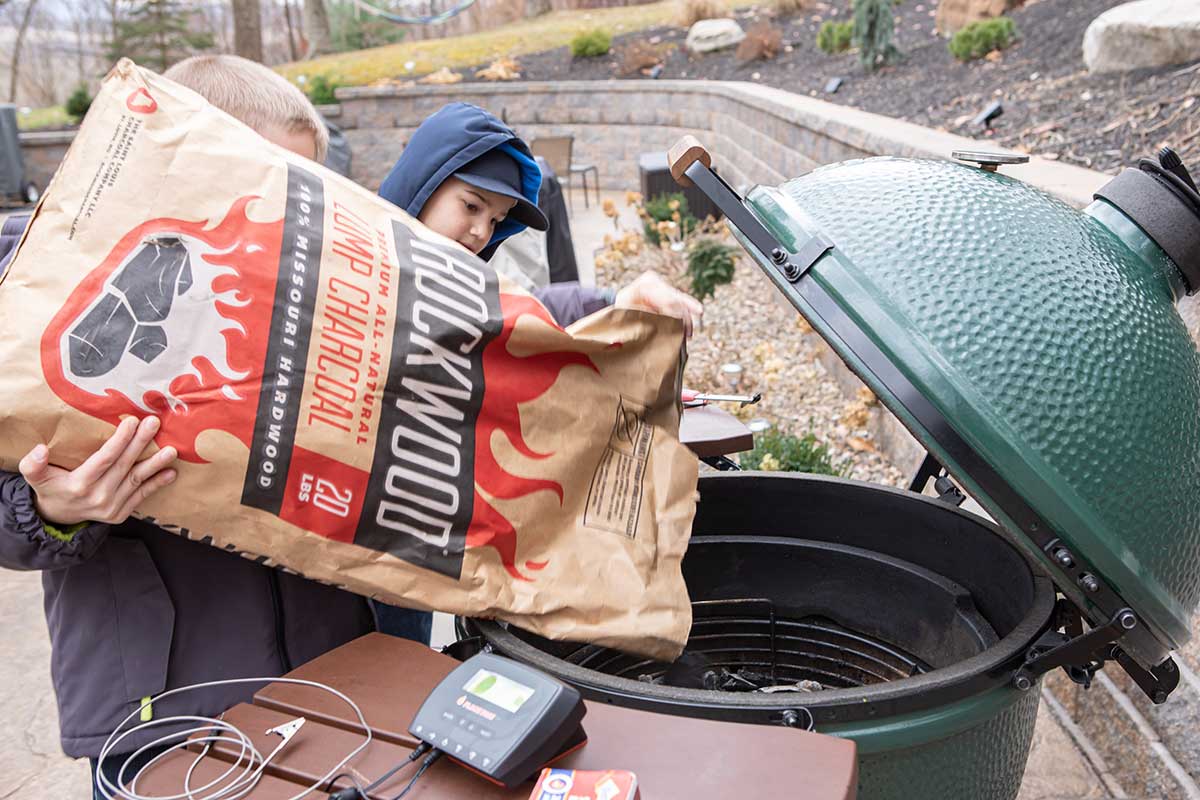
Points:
x=615 y=496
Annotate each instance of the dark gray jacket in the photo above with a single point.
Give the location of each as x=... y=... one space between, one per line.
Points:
x=134 y=610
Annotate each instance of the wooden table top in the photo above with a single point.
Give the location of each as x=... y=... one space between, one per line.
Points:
x=673 y=757
x=711 y=431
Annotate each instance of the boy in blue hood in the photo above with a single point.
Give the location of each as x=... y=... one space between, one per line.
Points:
x=468 y=176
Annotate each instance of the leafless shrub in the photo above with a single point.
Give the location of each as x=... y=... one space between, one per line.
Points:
x=692 y=11
x=638 y=55
x=762 y=43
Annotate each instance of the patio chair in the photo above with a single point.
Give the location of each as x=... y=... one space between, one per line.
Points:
x=557 y=152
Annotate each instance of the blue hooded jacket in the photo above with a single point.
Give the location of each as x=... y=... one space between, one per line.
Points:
x=445 y=143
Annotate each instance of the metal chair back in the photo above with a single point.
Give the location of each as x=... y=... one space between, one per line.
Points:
x=557 y=152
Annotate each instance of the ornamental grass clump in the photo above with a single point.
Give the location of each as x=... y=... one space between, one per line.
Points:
x=980 y=38
x=591 y=44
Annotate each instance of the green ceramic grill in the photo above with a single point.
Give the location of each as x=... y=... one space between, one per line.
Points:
x=1036 y=353
x=1033 y=349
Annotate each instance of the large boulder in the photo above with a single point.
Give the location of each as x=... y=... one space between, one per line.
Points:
x=708 y=35
x=954 y=15
x=1147 y=33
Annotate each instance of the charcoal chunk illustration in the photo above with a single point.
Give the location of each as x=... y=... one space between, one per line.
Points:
x=148 y=342
x=142 y=291
x=98 y=342
x=150 y=279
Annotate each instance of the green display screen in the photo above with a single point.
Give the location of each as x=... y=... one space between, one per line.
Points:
x=498 y=690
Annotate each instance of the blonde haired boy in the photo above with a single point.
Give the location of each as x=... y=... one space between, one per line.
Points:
x=259 y=97
x=132 y=609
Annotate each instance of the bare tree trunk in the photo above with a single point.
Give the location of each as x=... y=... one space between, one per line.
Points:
x=247 y=29
x=316 y=28
x=78 y=24
x=535 y=8
x=164 y=50
x=15 y=63
x=291 y=32
x=114 y=10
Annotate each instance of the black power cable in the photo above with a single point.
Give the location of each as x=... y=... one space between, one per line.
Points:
x=359 y=792
x=426 y=764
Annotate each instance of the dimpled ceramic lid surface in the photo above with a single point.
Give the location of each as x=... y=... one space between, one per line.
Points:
x=1049 y=339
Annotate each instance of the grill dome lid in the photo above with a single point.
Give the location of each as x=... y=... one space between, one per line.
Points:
x=1034 y=349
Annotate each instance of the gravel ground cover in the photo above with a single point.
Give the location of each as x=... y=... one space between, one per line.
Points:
x=748 y=323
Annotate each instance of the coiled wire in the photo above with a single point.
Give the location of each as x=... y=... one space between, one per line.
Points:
x=242 y=775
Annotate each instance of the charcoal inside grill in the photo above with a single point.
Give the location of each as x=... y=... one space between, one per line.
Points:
x=694 y=670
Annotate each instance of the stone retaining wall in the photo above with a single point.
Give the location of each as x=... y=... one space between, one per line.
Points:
x=756 y=134
x=42 y=153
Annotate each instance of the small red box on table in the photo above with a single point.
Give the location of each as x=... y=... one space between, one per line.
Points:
x=578 y=784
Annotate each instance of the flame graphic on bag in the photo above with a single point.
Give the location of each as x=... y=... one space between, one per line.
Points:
x=512 y=380
x=170 y=323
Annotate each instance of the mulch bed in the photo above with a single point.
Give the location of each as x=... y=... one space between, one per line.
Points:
x=1052 y=106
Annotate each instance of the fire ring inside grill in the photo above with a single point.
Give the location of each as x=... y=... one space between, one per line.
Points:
x=744 y=646
x=847 y=600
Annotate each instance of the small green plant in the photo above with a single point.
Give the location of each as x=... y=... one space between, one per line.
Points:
x=321 y=90
x=834 y=37
x=666 y=208
x=783 y=452
x=591 y=44
x=710 y=264
x=982 y=37
x=874 y=29
x=79 y=102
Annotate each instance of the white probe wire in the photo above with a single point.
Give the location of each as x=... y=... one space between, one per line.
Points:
x=212 y=730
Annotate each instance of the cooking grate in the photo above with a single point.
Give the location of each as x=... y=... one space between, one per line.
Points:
x=742 y=645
